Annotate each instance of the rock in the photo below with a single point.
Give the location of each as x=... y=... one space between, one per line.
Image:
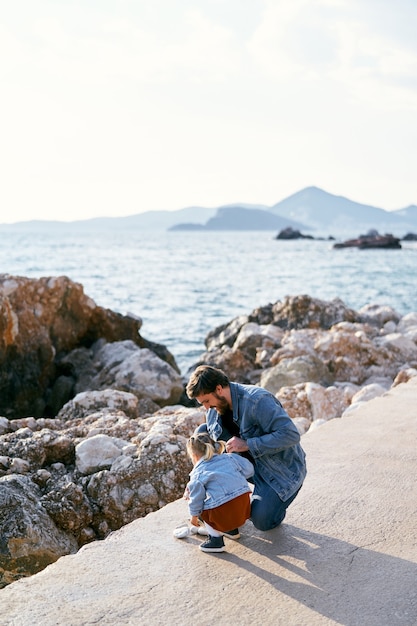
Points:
x=122 y=365
x=378 y=315
x=306 y=312
x=234 y=362
x=226 y=334
x=97 y=453
x=87 y=473
x=291 y=233
x=302 y=424
x=4 y=425
x=371 y=240
x=41 y=321
x=88 y=402
x=404 y=349
x=404 y=376
x=407 y=322
x=304 y=341
x=368 y=392
x=313 y=401
x=290 y=372
x=30 y=539
x=352 y=356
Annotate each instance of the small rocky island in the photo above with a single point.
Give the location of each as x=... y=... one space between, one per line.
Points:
x=371 y=240
x=290 y=233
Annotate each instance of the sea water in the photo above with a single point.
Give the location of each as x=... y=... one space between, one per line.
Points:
x=184 y=284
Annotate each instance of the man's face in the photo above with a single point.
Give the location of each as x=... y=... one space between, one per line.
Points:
x=214 y=400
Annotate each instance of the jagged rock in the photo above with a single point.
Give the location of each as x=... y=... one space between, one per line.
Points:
x=226 y=334
x=38 y=448
x=30 y=540
x=42 y=320
x=404 y=376
x=371 y=240
x=292 y=233
x=368 y=392
x=122 y=365
x=407 y=323
x=89 y=473
x=307 y=312
x=99 y=452
x=290 y=372
x=401 y=346
x=294 y=312
x=378 y=314
x=88 y=402
x=321 y=354
x=4 y=425
x=312 y=401
x=235 y=362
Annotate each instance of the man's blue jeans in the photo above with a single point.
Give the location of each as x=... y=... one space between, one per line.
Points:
x=267 y=509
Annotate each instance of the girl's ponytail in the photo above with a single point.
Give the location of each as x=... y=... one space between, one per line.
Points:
x=204 y=446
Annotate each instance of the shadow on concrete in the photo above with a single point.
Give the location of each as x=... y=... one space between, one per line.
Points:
x=349 y=584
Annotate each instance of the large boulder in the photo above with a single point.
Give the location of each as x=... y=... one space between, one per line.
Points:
x=41 y=321
x=30 y=540
x=124 y=366
x=291 y=371
x=88 y=402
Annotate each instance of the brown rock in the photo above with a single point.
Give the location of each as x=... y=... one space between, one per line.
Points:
x=41 y=320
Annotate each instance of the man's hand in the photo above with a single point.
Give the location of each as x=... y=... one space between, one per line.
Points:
x=236 y=444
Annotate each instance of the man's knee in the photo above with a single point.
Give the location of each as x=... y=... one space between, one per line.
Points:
x=262 y=519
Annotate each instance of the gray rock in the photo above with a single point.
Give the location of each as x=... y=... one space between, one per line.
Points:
x=30 y=540
x=97 y=453
x=290 y=372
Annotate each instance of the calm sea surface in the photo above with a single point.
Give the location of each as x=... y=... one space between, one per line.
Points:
x=184 y=284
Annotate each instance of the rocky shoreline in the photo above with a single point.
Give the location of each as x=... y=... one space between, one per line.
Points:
x=105 y=442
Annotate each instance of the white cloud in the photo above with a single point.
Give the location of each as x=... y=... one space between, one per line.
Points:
x=137 y=105
x=342 y=42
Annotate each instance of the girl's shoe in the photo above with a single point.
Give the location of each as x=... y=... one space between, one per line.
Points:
x=232 y=534
x=213 y=544
x=185 y=531
x=181 y=532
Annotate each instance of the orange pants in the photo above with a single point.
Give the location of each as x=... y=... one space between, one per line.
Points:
x=229 y=515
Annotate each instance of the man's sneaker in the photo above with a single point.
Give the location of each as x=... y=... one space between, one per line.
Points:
x=213 y=544
x=232 y=534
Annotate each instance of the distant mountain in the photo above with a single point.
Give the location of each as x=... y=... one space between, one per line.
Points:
x=309 y=209
x=409 y=213
x=236 y=217
x=149 y=220
x=323 y=211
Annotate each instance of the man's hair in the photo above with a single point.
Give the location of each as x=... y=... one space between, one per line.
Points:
x=205 y=379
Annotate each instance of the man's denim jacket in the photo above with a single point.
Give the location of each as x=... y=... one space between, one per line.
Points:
x=272 y=437
x=214 y=482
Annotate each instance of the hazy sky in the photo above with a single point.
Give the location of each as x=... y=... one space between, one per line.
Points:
x=114 y=107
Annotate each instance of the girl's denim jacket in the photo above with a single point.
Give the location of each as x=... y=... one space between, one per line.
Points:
x=214 y=482
x=272 y=437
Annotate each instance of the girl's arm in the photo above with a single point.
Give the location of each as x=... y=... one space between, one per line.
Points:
x=197 y=493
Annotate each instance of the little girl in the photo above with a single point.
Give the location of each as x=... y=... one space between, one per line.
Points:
x=218 y=491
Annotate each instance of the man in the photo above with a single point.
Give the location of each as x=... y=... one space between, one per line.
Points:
x=253 y=423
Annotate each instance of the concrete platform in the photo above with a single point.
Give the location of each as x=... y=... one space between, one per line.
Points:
x=346 y=553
